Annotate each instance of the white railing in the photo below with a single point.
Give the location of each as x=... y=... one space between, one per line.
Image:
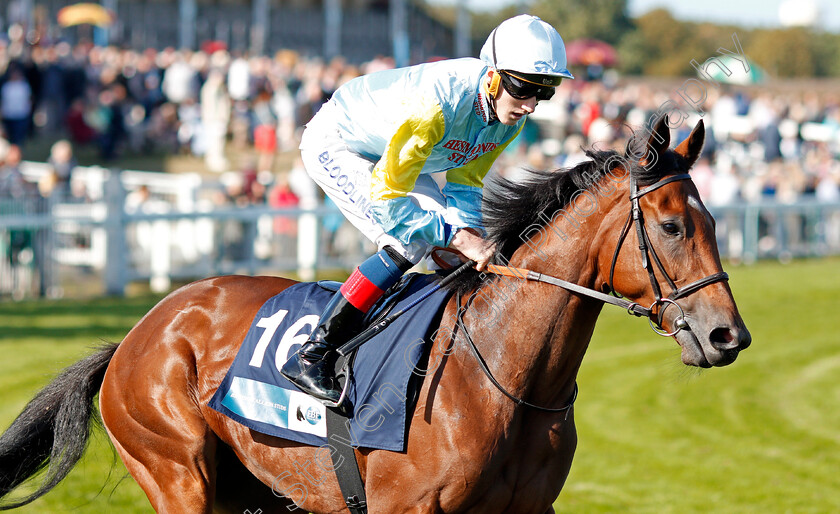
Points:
x=179 y=189
x=178 y=236
x=174 y=235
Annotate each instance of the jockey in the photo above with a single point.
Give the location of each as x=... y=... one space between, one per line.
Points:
x=373 y=147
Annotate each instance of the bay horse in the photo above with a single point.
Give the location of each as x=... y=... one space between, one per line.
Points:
x=470 y=448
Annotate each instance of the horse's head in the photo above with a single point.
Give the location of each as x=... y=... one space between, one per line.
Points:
x=667 y=256
x=632 y=224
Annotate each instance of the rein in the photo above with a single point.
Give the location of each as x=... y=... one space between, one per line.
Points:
x=459 y=323
x=526 y=274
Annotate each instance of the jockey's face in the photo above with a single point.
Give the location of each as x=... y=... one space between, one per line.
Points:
x=510 y=110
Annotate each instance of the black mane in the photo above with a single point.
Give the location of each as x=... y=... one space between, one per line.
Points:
x=510 y=208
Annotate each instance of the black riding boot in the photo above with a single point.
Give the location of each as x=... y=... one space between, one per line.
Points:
x=312 y=368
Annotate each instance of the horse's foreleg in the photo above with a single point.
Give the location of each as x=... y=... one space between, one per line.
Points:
x=159 y=431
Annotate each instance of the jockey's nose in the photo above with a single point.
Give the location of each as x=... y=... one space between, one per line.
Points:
x=530 y=104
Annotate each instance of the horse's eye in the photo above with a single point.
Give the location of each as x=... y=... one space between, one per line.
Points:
x=671 y=228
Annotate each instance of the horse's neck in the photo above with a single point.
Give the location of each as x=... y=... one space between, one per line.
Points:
x=536 y=334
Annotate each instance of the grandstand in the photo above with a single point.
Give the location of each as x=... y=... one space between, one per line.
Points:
x=358 y=30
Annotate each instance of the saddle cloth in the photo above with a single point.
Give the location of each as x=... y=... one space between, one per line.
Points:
x=254 y=393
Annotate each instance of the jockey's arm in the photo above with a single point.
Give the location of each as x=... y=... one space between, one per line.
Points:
x=396 y=173
x=464 y=193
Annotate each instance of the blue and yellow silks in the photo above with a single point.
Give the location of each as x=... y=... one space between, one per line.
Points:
x=424 y=119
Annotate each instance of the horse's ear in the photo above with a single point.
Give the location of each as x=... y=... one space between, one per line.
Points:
x=657 y=143
x=692 y=146
x=660 y=138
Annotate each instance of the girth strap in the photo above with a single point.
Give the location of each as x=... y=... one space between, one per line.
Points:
x=345 y=466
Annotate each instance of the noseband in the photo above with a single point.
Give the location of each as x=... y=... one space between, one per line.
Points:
x=648 y=254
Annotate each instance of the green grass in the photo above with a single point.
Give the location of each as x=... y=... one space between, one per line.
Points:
x=762 y=435
x=759 y=436
x=39 y=339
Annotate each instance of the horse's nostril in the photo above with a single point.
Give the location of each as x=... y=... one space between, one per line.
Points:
x=722 y=338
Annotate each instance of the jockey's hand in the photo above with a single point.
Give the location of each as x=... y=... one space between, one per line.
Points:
x=473 y=246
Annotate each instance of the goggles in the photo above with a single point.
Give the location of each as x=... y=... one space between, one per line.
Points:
x=522 y=87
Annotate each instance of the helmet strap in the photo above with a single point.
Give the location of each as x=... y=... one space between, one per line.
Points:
x=495 y=81
x=492 y=104
x=490 y=87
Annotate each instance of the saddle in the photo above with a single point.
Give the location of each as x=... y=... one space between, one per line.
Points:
x=378 y=375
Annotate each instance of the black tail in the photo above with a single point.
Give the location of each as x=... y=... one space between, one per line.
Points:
x=52 y=431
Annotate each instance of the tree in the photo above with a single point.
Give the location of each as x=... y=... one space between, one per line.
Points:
x=658 y=44
x=606 y=20
x=824 y=46
x=784 y=52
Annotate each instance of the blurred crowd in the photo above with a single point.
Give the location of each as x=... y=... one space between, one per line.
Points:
x=760 y=144
x=173 y=101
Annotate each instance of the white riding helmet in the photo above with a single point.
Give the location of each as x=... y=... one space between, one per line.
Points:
x=530 y=46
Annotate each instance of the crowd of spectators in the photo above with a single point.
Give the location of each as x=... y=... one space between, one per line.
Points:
x=171 y=101
x=760 y=144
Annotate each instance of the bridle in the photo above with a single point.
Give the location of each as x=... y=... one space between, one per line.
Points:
x=649 y=254
x=614 y=298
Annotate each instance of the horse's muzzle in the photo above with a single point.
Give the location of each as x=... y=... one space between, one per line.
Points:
x=718 y=346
